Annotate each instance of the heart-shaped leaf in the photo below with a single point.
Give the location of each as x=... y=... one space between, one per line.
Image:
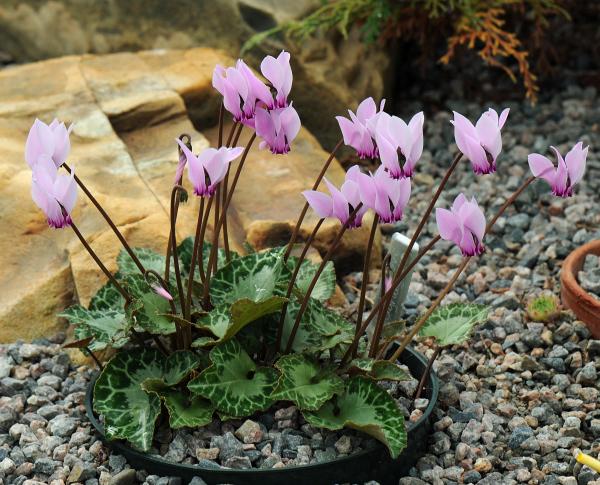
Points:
x=366 y=407
x=325 y=286
x=452 y=324
x=184 y=251
x=234 y=383
x=320 y=328
x=187 y=411
x=151 y=260
x=226 y=320
x=148 y=309
x=305 y=382
x=129 y=411
x=253 y=277
x=109 y=328
x=379 y=370
x=107 y=298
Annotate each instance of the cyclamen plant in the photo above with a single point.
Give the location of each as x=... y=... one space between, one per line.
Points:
x=203 y=330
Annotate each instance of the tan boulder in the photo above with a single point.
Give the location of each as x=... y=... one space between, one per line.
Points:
x=128 y=109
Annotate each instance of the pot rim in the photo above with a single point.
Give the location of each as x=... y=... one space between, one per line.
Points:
x=572 y=290
x=123 y=447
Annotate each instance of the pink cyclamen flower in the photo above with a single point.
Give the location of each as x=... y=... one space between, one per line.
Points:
x=393 y=135
x=53 y=193
x=563 y=178
x=464 y=224
x=356 y=130
x=277 y=128
x=241 y=91
x=206 y=170
x=51 y=140
x=481 y=143
x=386 y=196
x=341 y=202
x=279 y=73
x=160 y=291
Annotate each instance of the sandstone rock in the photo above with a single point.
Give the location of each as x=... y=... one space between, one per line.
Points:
x=128 y=109
x=329 y=67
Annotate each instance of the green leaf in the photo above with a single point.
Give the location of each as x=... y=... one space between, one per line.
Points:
x=452 y=324
x=305 y=383
x=150 y=260
x=148 y=310
x=325 y=286
x=109 y=328
x=226 y=320
x=129 y=411
x=320 y=328
x=107 y=298
x=234 y=383
x=187 y=411
x=184 y=251
x=379 y=370
x=253 y=277
x=366 y=407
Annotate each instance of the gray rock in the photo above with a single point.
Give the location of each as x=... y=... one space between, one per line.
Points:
x=45 y=466
x=238 y=462
x=229 y=445
x=519 y=435
x=62 y=425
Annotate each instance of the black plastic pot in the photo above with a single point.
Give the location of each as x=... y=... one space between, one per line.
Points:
x=373 y=464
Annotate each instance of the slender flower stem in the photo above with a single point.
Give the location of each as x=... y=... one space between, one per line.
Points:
x=293 y=280
x=95 y=257
x=365 y=276
x=425 y=375
x=227 y=143
x=188 y=142
x=397 y=280
x=448 y=287
x=219 y=224
x=107 y=219
x=237 y=135
x=187 y=309
x=306 y=205
x=374 y=311
x=174 y=194
x=200 y=256
x=211 y=268
x=509 y=202
x=326 y=258
x=419 y=324
x=221 y=116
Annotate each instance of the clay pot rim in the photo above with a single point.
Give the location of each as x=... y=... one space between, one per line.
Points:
x=571 y=289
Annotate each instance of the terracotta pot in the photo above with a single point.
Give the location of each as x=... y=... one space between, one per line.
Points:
x=584 y=305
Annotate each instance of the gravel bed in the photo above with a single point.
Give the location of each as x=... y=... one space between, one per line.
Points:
x=515 y=402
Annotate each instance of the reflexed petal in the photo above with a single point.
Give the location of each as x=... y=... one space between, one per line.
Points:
x=65 y=190
x=40 y=140
x=366 y=109
x=340 y=204
x=503 y=117
x=473 y=219
x=463 y=125
x=541 y=167
x=575 y=161
x=62 y=143
x=290 y=122
x=489 y=134
x=448 y=225
x=321 y=203
x=389 y=156
x=458 y=203
x=347 y=128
